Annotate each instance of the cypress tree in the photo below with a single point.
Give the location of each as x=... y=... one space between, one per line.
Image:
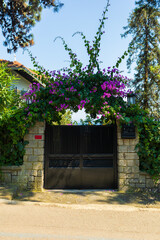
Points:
x=144 y=26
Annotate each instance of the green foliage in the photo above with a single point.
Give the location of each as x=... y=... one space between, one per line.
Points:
x=148 y=147
x=8 y=97
x=66 y=118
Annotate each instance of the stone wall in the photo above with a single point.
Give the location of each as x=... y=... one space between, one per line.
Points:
x=30 y=174
x=129 y=175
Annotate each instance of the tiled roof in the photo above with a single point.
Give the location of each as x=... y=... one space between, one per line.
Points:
x=16 y=65
x=22 y=70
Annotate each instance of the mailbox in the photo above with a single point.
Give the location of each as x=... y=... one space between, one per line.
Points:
x=128 y=131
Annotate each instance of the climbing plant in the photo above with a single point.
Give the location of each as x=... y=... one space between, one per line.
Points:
x=100 y=92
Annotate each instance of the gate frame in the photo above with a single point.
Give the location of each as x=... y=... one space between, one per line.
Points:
x=115 y=160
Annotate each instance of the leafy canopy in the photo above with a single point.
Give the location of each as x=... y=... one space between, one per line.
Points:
x=17 y=19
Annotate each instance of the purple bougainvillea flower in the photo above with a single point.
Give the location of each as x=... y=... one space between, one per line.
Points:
x=50 y=102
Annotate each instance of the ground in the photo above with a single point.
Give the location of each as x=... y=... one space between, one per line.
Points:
x=78 y=214
x=139 y=199
x=32 y=221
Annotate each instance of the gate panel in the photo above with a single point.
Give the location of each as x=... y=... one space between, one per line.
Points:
x=80 y=157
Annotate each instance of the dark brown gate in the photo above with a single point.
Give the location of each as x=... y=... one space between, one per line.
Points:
x=80 y=157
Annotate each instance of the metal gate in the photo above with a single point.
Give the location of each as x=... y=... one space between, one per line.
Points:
x=80 y=157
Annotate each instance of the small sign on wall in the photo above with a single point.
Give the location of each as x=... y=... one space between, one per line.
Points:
x=38 y=136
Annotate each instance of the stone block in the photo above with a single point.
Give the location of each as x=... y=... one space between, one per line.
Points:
x=132 y=176
x=31 y=185
x=122 y=182
x=32 y=173
x=37 y=166
x=14 y=173
x=132 y=185
x=133 y=142
x=131 y=149
x=14 y=179
x=135 y=169
x=140 y=185
x=119 y=134
x=25 y=158
x=31 y=178
x=39 y=186
x=126 y=142
x=32 y=144
x=149 y=183
x=121 y=169
x=120 y=156
x=28 y=166
x=130 y=163
x=133 y=180
x=7 y=177
x=120 y=142
x=128 y=170
x=29 y=137
x=122 y=163
x=131 y=156
x=40 y=144
x=39 y=173
x=38 y=179
x=38 y=183
x=33 y=130
x=40 y=158
x=38 y=151
x=22 y=180
x=122 y=175
x=41 y=130
x=122 y=149
x=40 y=124
x=29 y=151
x=142 y=179
x=32 y=158
x=126 y=182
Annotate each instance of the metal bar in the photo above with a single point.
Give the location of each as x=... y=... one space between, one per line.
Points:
x=79 y=155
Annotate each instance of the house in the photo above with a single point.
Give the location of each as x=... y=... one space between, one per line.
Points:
x=23 y=74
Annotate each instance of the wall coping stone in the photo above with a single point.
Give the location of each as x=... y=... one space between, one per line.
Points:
x=10 y=168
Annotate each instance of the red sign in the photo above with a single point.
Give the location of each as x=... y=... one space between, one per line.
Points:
x=38 y=136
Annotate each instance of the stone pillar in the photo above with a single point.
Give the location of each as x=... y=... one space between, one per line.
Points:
x=128 y=161
x=31 y=175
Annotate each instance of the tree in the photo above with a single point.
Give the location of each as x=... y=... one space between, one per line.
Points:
x=17 y=19
x=152 y=3
x=144 y=26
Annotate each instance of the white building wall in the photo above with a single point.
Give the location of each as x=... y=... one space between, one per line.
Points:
x=21 y=83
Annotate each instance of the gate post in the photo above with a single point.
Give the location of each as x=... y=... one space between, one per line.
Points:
x=129 y=174
x=31 y=176
x=128 y=161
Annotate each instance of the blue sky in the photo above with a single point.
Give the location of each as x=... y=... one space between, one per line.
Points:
x=77 y=15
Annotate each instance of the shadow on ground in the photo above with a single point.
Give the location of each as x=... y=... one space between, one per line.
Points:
x=141 y=199
x=11 y=192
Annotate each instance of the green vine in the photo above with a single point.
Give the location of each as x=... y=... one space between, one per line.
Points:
x=100 y=92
